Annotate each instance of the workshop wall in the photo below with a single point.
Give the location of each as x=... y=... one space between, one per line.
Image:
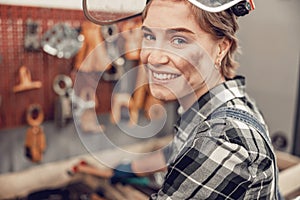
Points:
x=42 y=66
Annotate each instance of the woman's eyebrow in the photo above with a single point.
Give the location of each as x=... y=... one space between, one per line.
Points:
x=145 y=28
x=179 y=30
x=171 y=30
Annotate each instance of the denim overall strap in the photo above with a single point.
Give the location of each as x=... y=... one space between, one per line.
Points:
x=250 y=120
x=243 y=116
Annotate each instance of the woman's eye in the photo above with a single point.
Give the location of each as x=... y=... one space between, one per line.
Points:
x=179 y=41
x=148 y=36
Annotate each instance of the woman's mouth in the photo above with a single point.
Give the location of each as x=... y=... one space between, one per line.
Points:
x=164 y=76
x=161 y=75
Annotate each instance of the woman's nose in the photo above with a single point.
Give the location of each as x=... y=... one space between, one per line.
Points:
x=157 y=56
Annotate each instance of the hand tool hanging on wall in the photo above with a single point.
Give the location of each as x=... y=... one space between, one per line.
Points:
x=131 y=31
x=25 y=81
x=35 y=143
x=92 y=56
x=129 y=42
x=114 y=45
x=84 y=111
x=62 y=41
x=122 y=107
x=62 y=85
x=31 y=39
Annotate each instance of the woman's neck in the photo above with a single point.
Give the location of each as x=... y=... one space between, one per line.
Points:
x=187 y=101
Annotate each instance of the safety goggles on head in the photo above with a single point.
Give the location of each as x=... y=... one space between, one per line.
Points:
x=239 y=7
x=105 y=12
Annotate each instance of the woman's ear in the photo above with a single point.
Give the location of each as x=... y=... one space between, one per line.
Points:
x=224 y=46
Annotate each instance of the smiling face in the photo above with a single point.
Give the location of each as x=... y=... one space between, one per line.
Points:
x=179 y=56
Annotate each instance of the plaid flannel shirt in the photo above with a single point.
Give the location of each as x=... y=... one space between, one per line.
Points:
x=218 y=158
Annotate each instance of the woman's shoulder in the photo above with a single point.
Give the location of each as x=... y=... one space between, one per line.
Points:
x=235 y=131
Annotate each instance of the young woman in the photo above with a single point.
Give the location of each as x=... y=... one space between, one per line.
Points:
x=221 y=149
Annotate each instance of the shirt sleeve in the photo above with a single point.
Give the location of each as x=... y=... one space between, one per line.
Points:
x=211 y=168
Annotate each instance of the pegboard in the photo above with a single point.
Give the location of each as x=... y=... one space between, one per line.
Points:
x=43 y=67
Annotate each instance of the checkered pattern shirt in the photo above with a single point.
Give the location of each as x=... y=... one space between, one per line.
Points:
x=213 y=158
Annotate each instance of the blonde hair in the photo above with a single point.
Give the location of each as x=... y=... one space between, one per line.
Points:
x=220 y=25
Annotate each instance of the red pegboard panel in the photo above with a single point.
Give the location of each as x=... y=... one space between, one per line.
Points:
x=43 y=67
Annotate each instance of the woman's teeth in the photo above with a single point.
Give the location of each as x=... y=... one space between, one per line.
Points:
x=164 y=76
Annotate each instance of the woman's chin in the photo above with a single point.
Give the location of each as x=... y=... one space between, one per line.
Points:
x=163 y=95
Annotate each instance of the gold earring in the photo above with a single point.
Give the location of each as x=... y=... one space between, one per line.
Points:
x=218 y=64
